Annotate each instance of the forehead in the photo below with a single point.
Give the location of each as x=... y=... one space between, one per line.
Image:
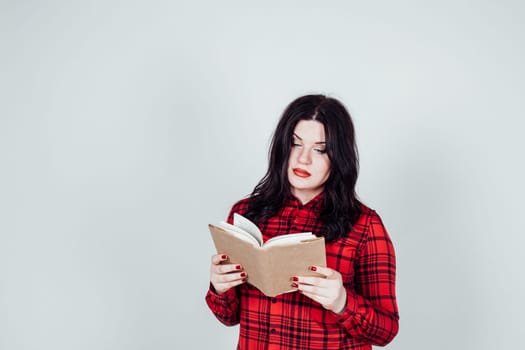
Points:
x=310 y=131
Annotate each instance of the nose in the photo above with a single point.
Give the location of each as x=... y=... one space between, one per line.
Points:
x=304 y=156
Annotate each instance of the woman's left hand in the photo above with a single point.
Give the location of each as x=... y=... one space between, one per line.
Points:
x=328 y=291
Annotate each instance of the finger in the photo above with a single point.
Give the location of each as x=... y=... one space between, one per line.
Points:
x=218 y=258
x=223 y=287
x=223 y=269
x=312 y=289
x=230 y=277
x=314 y=281
x=325 y=271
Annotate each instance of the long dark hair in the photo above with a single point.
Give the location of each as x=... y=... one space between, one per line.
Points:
x=341 y=208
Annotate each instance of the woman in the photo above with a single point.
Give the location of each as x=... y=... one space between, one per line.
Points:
x=310 y=186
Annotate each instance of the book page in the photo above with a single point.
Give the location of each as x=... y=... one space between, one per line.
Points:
x=289 y=239
x=248 y=226
x=240 y=233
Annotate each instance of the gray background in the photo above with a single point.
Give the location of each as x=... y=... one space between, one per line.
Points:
x=127 y=126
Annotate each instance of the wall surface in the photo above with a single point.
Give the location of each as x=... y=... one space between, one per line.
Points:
x=126 y=127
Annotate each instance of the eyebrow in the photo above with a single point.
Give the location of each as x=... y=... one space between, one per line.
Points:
x=317 y=143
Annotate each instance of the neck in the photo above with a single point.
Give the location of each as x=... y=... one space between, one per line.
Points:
x=306 y=196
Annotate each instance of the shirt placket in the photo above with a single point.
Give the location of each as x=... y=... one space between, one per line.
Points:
x=299 y=220
x=274 y=329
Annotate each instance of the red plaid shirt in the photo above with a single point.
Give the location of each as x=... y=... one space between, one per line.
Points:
x=366 y=260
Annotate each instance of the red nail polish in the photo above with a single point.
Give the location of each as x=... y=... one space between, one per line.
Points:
x=243 y=274
x=224 y=257
x=295 y=279
x=238 y=267
x=313 y=268
x=243 y=280
x=295 y=285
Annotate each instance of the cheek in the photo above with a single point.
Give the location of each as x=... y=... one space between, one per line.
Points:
x=290 y=163
x=326 y=169
x=292 y=156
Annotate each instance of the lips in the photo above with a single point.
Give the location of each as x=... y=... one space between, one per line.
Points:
x=301 y=172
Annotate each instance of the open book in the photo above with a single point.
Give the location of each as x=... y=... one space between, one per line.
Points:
x=270 y=265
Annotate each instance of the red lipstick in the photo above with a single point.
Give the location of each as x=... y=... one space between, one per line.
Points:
x=301 y=172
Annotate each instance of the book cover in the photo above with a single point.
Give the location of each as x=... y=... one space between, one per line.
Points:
x=269 y=265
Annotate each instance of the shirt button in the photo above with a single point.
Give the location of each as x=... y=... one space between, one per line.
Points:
x=274 y=300
x=273 y=331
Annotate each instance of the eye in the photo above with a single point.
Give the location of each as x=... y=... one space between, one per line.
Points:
x=320 y=151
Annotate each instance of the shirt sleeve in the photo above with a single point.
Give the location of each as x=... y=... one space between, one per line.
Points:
x=371 y=312
x=225 y=306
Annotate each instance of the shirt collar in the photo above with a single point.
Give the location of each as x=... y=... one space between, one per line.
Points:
x=314 y=203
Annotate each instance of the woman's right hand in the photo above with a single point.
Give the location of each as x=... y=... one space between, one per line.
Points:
x=225 y=276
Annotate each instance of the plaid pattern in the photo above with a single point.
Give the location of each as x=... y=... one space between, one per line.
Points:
x=366 y=260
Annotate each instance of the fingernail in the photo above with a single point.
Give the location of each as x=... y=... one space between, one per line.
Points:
x=243 y=280
x=224 y=257
x=238 y=267
x=243 y=274
x=295 y=279
x=295 y=285
x=313 y=268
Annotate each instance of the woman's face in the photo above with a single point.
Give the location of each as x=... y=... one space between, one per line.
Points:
x=308 y=164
